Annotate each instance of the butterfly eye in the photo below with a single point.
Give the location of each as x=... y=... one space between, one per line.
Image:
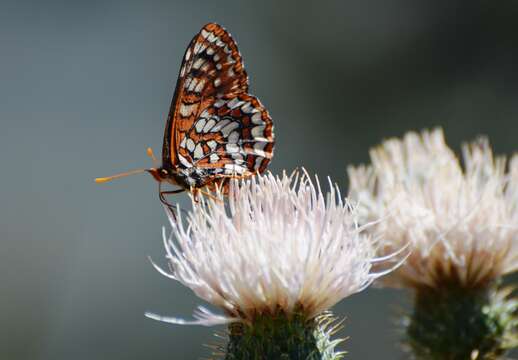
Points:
x=163 y=172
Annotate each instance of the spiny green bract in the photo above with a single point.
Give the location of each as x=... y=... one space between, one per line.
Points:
x=462 y=324
x=284 y=337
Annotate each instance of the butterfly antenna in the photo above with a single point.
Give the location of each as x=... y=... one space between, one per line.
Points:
x=150 y=153
x=102 y=180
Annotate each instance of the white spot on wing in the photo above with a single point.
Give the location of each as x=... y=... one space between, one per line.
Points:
x=198 y=63
x=247 y=107
x=258 y=131
x=205 y=33
x=187 y=82
x=260 y=153
x=199 y=87
x=212 y=144
x=210 y=124
x=200 y=124
x=233 y=137
x=257 y=119
x=258 y=162
x=232 y=148
x=237 y=156
x=192 y=84
x=258 y=150
x=214 y=158
x=190 y=145
x=229 y=128
x=188 y=54
x=184 y=161
x=217 y=82
x=233 y=168
x=182 y=143
x=262 y=139
x=216 y=58
x=186 y=110
x=260 y=145
x=220 y=125
x=198 y=151
x=212 y=37
x=234 y=103
x=210 y=51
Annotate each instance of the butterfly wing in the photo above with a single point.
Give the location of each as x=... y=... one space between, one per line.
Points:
x=212 y=67
x=232 y=136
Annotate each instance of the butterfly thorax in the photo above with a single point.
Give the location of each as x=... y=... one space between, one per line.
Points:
x=185 y=177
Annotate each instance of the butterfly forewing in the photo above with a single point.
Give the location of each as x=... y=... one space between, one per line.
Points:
x=211 y=67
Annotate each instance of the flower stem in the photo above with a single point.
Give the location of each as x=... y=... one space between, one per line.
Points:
x=284 y=337
x=462 y=324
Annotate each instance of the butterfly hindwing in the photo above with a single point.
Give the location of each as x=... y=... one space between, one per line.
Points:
x=232 y=136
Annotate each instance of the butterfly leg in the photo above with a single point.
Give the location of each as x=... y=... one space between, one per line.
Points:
x=236 y=177
x=210 y=196
x=164 y=201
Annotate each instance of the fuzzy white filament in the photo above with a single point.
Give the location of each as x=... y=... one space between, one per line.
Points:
x=461 y=222
x=278 y=244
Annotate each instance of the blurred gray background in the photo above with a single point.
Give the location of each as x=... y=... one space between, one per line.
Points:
x=85 y=87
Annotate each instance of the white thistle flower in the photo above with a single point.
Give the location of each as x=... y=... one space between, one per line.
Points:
x=278 y=245
x=462 y=223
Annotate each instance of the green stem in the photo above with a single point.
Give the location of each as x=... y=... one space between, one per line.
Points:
x=455 y=323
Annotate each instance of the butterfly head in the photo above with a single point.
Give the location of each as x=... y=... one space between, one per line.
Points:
x=159 y=174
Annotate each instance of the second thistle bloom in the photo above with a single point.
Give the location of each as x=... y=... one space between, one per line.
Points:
x=461 y=222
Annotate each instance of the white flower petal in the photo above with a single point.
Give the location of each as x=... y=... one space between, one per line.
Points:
x=203 y=317
x=279 y=243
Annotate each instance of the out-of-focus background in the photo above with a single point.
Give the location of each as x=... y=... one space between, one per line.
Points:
x=85 y=87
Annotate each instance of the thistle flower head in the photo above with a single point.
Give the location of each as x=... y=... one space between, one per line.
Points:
x=461 y=222
x=278 y=245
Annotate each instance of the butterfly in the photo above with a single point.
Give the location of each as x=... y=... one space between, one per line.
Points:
x=215 y=130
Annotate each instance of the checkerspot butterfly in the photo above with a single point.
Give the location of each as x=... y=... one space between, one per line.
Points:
x=215 y=129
